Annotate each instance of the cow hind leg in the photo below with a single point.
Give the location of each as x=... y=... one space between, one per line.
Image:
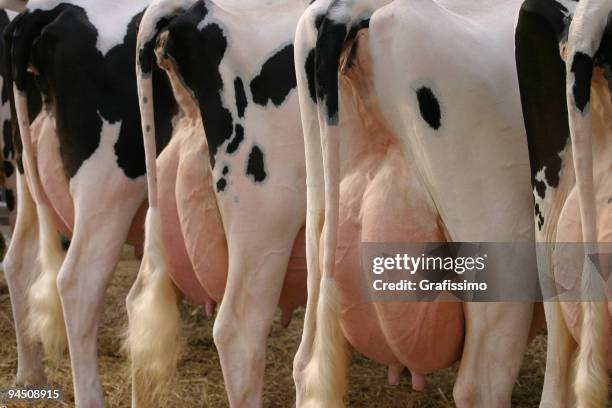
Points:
x=91 y=259
x=21 y=267
x=256 y=273
x=154 y=319
x=495 y=341
x=560 y=350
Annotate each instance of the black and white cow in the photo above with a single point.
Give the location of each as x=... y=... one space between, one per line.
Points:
x=564 y=58
x=81 y=171
x=442 y=76
x=228 y=195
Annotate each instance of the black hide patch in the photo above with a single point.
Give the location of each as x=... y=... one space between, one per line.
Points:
x=541 y=75
x=7 y=138
x=539 y=217
x=8 y=168
x=276 y=78
x=98 y=87
x=10 y=200
x=234 y=144
x=329 y=46
x=552 y=12
x=540 y=187
x=332 y=36
x=221 y=184
x=146 y=53
x=198 y=66
x=255 y=166
x=4 y=22
x=429 y=107
x=241 y=99
x=309 y=67
x=582 y=68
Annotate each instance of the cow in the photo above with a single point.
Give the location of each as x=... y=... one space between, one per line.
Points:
x=227 y=196
x=563 y=54
x=445 y=84
x=80 y=171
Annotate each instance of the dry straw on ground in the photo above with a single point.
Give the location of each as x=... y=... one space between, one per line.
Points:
x=200 y=383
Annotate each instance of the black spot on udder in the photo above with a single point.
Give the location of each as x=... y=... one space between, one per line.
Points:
x=276 y=78
x=241 y=100
x=255 y=166
x=225 y=170
x=582 y=68
x=429 y=107
x=10 y=200
x=235 y=142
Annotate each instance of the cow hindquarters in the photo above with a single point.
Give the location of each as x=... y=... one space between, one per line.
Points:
x=20 y=267
x=495 y=341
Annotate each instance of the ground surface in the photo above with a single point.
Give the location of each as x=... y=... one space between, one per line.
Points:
x=200 y=382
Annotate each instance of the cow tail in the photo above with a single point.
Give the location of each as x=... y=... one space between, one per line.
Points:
x=153 y=335
x=325 y=376
x=45 y=318
x=591 y=380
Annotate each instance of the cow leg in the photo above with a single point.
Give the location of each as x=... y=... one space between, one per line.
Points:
x=257 y=267
x=559 y=352
x=91 y=259
x=495 y=341
x=21 y=267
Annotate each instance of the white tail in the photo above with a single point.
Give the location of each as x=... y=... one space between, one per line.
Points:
x=325 y=376
x=325 y=381
x=591 y=382
x=153 y=338
x=45 y=319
